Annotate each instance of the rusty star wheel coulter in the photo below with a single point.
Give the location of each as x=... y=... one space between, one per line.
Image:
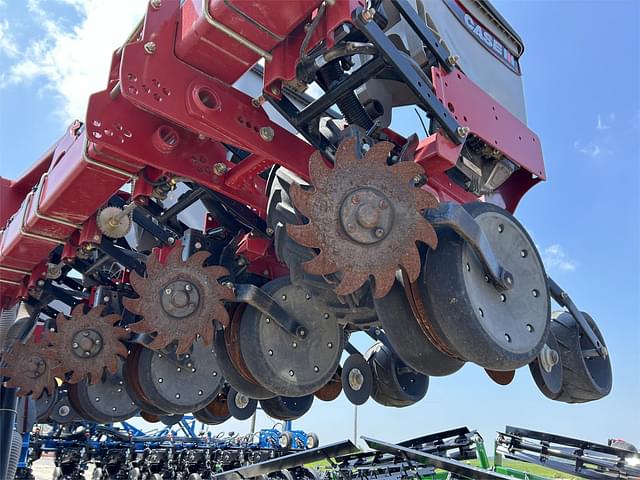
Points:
x=179 y=300
x=364 y=217
x=88 y=343
x=30 y=368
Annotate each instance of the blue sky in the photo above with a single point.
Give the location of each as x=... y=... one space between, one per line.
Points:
x=582 y=83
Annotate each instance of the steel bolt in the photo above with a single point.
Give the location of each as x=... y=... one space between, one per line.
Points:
x=75 y=345
x=198 y=245
x=284 y=297
x=188 y=287
x=316 y=369
x=453 y=60
x=329 y=345
x=269 y=231
x=267 y=134
x=294 y=345
x=463 y=132
x=270 y=352
x=268 y=320
x=383 y=205
x=167 y=291
x=150 y=48
x=326 y=315
x=367 y=15
x=155 y=4
x=220 y=169
x=379 y=232
x=257 y=101
x=291 y=373
x=275 y=90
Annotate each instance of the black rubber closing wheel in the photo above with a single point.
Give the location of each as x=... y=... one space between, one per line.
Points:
x=496 y=330
x=395 y=384
x=586 y=375
x=171 y=420
x=284 y=363
x=287 y=408
x=216 y=412
x=357 y=379
x=44 y=405
x=63 y=412
x=180 y=387
x=407 y=337
x=548 y=377
x=104 y=402
x=240 y=406
x=232 y=376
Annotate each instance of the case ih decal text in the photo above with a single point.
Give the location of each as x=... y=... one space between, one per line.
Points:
x=485 y=37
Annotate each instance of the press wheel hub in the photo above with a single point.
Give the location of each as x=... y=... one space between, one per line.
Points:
x=180 y=299
x=87 y=343
x=366 y=215
x=241 y=401
x=356 y=379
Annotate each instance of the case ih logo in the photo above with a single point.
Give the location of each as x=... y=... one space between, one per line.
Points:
x=485 y=37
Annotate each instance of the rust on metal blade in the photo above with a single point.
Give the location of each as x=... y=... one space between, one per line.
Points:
x=87 y=344
x=365 y=217
x=331 y=390
x=30 y=369
x=501 y=378
x=180 y=300
x=420 y=312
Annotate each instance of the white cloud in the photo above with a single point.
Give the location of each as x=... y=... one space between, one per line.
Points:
x=600 y=142
x=554 y=257
x=73 y=60
x=605 y=123
x=8 y=46
x=592 y=148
